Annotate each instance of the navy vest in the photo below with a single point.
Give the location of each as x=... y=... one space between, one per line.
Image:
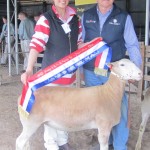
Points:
x=59 y=43
x=112 y=32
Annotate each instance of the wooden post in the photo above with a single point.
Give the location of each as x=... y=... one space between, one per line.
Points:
x=0 y=79
x=140 y=83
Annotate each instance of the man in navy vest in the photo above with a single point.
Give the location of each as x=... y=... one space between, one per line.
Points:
x=115 y=26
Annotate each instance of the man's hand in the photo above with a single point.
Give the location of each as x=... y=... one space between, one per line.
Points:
x=81 y=44
x=25 y=76
x=131 y=81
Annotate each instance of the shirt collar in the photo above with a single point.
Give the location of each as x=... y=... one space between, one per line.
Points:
x=69 y=10
x=107 y=13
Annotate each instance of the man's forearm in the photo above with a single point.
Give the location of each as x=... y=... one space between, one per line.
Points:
x=32 y=59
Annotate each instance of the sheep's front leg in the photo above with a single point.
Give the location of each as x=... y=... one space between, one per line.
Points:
x=21 y=143
x=104 y=129
x=141 y=131
x=29 y=127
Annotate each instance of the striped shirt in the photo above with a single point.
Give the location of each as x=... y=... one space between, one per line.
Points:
x=42 y=30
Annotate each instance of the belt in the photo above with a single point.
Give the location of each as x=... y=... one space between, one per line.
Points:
x=10 y=35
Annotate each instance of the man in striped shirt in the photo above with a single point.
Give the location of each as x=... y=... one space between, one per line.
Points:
x=57 y=33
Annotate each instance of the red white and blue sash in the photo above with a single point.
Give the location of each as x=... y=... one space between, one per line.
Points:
x=101 y=62
x=60 y=68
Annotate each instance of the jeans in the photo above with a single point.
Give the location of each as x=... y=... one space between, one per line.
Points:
x=120 y=132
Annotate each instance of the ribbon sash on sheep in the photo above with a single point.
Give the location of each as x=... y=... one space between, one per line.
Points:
x=60 y=68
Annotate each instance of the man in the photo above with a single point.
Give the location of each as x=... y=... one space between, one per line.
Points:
x=57 y=33
x=26 y=30
x=4 y=36
x=115 y=26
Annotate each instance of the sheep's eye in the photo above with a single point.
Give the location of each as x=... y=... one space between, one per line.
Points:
x=121 y=64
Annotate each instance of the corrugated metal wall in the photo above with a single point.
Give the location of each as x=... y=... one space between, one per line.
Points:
x=136 y=8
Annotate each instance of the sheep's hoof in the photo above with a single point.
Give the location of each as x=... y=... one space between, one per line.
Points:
x=138 y=147
x=26 y=147
x=65 y=147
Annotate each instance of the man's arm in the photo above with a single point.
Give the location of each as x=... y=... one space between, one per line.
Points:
x=31 y=61
x=12 y=29
x=81 y=44
x=21 y=30
x=37 y=45
x=131 y=42
x=2 y=34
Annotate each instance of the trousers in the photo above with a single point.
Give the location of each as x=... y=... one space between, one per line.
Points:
x=4 y=58
x=25 y=50
x=54 y=138
x=120 y=132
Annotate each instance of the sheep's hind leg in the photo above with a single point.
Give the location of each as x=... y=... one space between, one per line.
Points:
x=22 y=142
x=104 y=130
x=141 y=131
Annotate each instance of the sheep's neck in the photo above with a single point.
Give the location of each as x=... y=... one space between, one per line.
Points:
x=115 y=87
x=115 y=81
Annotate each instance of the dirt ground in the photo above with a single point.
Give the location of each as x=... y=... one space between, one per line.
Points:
x=10 y=126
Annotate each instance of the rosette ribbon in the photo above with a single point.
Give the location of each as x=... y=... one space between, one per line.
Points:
x=60 y=68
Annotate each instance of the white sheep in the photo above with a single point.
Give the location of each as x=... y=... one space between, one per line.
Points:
x=75 y=109
x=145 y=108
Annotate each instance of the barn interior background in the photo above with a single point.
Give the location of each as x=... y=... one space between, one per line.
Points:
x=11 y=87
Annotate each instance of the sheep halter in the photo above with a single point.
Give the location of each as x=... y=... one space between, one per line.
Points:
x=55 y=71
x=117 y=75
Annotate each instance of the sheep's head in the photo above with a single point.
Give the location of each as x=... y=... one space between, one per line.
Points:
x=126 y=70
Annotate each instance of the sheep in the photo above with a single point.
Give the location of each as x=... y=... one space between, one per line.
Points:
x=145 y=109
x=75 y=109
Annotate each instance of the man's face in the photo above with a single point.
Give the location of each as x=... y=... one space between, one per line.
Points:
x=4 y=20
x=105 y=3
x=19 y=17
x=61 y=3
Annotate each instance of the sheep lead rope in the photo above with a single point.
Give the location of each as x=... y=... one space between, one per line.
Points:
x=60 y=68
x=129 y=116
x=116 y=75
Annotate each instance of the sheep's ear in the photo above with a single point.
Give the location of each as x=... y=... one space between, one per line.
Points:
x=110 y=65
